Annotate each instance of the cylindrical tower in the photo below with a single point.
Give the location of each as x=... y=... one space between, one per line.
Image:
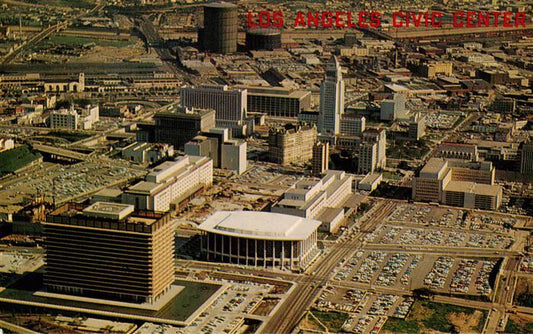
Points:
x=220 y=27
x=263 y=39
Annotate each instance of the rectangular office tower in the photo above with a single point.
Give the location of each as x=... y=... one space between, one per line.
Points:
x=179 y=127
x=109 y=251
x=229 y=104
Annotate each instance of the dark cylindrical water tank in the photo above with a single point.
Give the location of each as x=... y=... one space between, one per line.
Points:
x=263 y=39
x=220 y=27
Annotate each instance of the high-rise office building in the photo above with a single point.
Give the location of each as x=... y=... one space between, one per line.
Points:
x=526 y=158
x=234 y=156
x=219 y=33
x=331 y=99
x=417 y=127
x=230 y=104
x=352 y=125
x=179 y=127
x=110 y=251
x=394 y=108
x=277 y=101
x=372 y=151
x=320 y=158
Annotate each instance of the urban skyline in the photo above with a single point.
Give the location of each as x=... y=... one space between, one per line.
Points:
x=266 y=167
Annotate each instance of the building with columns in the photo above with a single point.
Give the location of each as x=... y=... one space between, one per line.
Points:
x=260 y=239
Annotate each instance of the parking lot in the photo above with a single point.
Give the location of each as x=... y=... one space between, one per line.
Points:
x=392 y=234
x=368 y=310
x=227 y=313
x=438 y=120
x=405 y=271
x=428 y=215
x=70 y=181
x=269 y=174
x=467 y=276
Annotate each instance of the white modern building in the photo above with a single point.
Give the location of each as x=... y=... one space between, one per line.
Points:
x=260 y=239
x=331 y=100
x=322 y=199
x=170 y=183
x=459 y=183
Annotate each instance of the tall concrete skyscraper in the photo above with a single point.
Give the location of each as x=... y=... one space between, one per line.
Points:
x=320 y=158
x=526 y=158
x=372 y=151
x=331 y=99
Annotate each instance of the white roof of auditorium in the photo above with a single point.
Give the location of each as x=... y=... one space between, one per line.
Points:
x=260 y=225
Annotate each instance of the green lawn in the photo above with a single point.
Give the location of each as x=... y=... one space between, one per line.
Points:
x=68 y=135
x=65 y=3
x=80 y=41
x=512 y=327
x=430 y=316
x=16 y=158
x=392 y=176
x=401 y=326
x=332 y=320
x=408 y=150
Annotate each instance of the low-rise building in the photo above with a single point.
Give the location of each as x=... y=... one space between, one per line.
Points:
x=459 y=183
x=142 y=152
x=260 y=239
x=170 y=183
x=458 y=151
x=318 y=199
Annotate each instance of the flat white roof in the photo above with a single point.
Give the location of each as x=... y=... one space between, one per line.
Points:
x=108 y=210
x=260 y=225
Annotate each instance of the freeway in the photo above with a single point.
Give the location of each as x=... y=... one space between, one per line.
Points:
x=155 y=41
x=12 y=328
x=308 y=287
x=48 y=32
x=53 y=150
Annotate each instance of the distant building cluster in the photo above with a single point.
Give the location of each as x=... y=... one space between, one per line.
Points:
x=74 y=118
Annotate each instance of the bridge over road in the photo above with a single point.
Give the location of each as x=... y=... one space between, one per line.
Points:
x=61 y=152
